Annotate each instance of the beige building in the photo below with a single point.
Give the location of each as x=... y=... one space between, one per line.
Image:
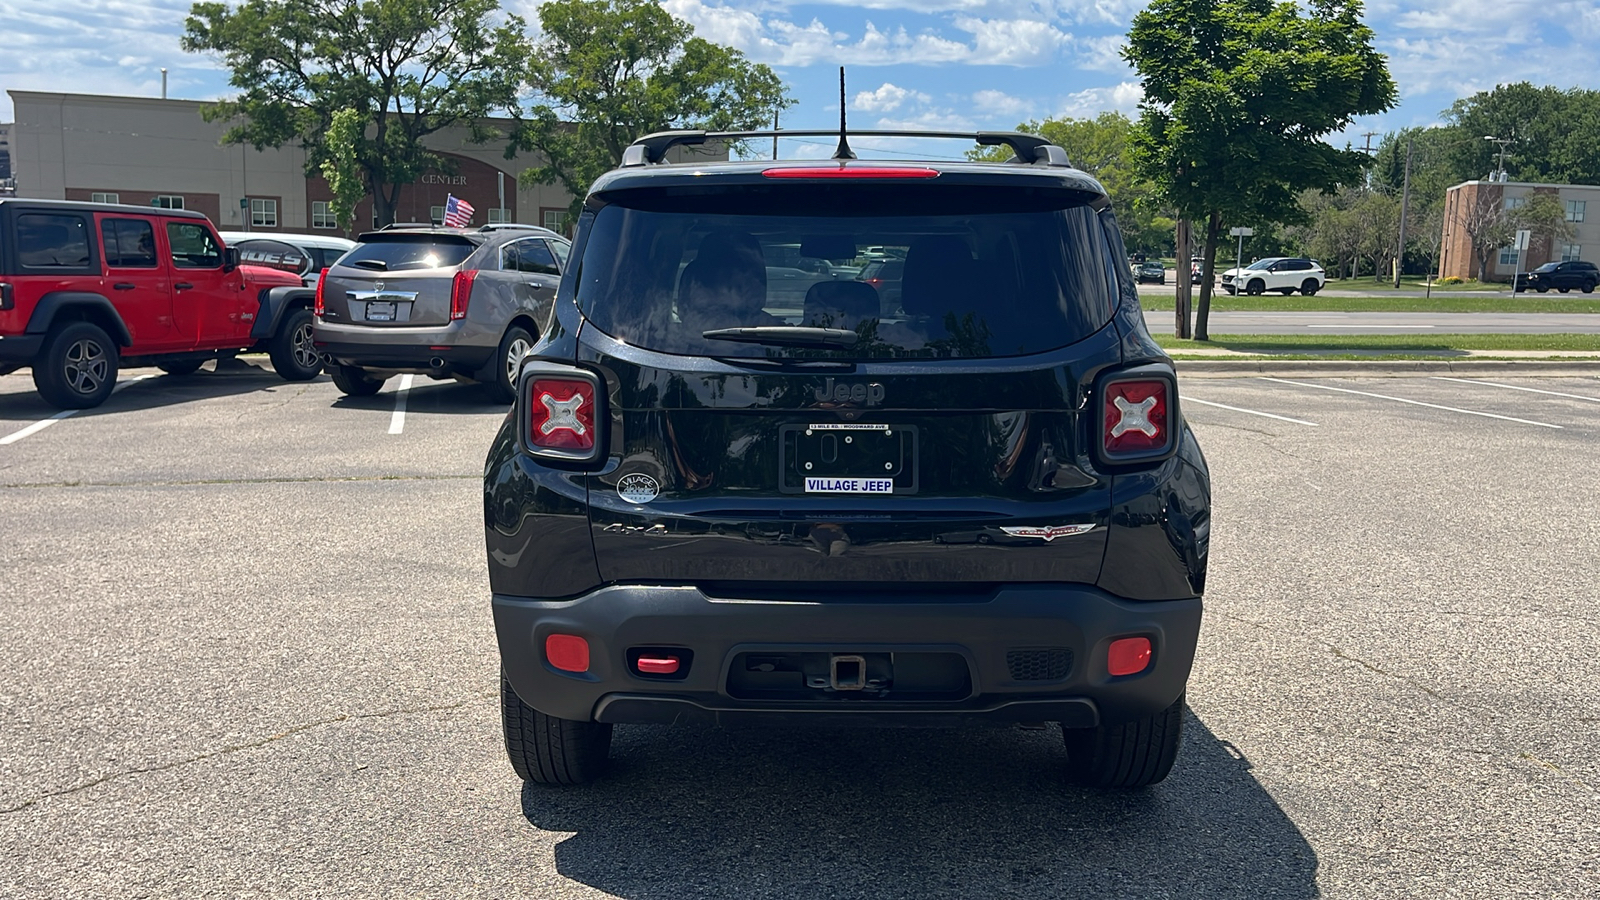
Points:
x=5 y=158
x=1481 y=200
x=163 y=153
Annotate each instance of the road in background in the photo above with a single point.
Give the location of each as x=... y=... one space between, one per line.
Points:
x=248 y=652
x=1160 y=322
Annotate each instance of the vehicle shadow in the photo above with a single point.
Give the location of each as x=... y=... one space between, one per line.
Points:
x=705 y=812
x=153 y=389
x=428 y=397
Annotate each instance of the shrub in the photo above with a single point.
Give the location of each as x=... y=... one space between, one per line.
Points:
x=1449 y=279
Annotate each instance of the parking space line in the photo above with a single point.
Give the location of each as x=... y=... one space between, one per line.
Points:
x=1189 y=399
x=42 y=424
x=1380 y=326
x=1470 y=412
x=397 y=422
x=1518 y=387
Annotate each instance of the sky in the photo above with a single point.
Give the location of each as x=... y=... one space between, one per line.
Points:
x=911 y=64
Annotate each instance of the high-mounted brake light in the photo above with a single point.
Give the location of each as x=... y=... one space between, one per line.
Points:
x=561 y=414
x=1137 y=417
x=461 y=293
x=850 y=172
x=321 y=305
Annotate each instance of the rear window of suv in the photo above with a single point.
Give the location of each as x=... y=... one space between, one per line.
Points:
x=916 y=272
x=393 y=251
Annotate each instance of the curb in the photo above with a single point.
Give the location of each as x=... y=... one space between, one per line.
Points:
x=1309 y=368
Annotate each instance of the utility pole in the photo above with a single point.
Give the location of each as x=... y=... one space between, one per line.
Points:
x=1183 y=296
x=1502 y=142
x=1405 y=204
x=775 y=133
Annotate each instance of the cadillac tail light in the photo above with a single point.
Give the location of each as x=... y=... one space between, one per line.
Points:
x=461 y=293
x=321 y=305
x=1138 y=416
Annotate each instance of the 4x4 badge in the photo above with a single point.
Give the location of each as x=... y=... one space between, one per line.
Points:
x=870 y=394
x=1046 y=533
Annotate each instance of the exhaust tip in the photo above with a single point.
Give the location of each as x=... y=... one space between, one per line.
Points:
x=436 y=362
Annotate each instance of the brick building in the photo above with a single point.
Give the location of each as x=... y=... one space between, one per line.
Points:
x=1484 y=200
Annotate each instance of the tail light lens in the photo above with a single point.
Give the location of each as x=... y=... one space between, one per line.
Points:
x=461 y=293
x=561 y=408
x=1128 y=656
x=321 y=305
x=1138 y=416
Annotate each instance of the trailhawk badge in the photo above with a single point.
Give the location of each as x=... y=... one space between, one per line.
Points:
x=1045 y=532
x=637 y=487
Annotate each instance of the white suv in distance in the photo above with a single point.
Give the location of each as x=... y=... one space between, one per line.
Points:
x=1277 y=273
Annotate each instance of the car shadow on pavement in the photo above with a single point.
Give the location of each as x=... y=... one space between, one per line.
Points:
x=428 y=397
x=689 y=811
x=152 y=390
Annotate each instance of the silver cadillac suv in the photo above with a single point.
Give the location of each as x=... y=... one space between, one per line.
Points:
x=442 y=302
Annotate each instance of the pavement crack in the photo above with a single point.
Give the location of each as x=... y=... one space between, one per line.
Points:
x=1339 y=652
x=249 y=745
x=327 y=479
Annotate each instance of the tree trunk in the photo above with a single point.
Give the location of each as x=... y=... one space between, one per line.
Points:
x=1203 y=314
x=1185 y=283
x=382 y=208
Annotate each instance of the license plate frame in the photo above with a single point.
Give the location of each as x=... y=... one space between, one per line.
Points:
x=848 y=456
x=382 y=310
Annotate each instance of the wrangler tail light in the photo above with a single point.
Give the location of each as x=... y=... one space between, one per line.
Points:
x=561 y=410
x=461 y=293
x=1138 y=415
x=321 y=305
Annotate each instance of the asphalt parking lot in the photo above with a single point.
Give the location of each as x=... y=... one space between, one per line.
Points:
x=248 y=653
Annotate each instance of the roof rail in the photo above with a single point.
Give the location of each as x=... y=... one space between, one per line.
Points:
x=509 y=226
x=401 y=226
x=1029 y=148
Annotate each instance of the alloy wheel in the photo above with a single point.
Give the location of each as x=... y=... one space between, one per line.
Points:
x=86 y=366
x=514 y=353
x=305 y=353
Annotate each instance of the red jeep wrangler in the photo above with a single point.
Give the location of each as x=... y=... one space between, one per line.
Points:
x=88 y=287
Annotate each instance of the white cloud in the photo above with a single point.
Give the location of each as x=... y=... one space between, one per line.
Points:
x=1012 y=42
x=999 y=103
x=1123 y=98
x=887 y=98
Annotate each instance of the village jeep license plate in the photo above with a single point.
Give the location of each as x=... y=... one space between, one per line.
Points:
x=848 y=458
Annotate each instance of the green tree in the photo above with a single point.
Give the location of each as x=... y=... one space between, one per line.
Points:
x=1102 y=146
x=1239 y=98
x=1544 y=216
x=343 y=174
x=406 y=68
x=607 y=72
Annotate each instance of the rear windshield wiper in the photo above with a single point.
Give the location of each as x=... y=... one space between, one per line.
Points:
x=784 y=336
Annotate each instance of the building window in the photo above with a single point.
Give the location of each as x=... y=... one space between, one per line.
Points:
x=436 y=215
x=1571 y=252
x=1509 y=257
x=1516 y=202
x=556 y=220
x=499 y=216
x=110 y=197
x=322 y=215
x=167 y=201
x=263 y=213
x=1575 y=210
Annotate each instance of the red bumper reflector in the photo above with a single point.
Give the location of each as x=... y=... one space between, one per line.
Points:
x=567 y=652
x=658 y=665
x=1128 y=656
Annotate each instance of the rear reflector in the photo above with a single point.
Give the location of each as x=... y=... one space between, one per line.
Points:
x=461 y=293
x=657 y=665
x=561 y=414
x=320 y=306
x=843 y=171
x=1136 y=417
x=1128 y=656
x=567 y=652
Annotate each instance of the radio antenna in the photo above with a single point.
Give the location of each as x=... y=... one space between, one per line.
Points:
x=843 y=151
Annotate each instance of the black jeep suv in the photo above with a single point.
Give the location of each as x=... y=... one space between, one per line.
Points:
x=972 y=498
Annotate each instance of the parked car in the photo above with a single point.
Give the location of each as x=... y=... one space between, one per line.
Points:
x=1197 y=268
x=1561 y=276
x=982 y=506
x=305 y=255
x=437 y=301
x=1150 y=273
x=1282 y=274
x=87 y=288
x=884 y=276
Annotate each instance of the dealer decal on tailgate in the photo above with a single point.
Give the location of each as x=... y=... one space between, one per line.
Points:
x=849 y=485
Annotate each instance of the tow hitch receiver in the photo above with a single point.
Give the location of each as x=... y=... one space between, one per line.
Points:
x=847 y=673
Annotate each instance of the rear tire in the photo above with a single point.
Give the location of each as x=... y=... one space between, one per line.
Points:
x=501 y=380
x=356 y=382
x=181 y=367
x=78 y=368
x=1588 y=288
x=1542 y=289
x=293 y=356
x=1131 y=755
x=1309 y=287
x=547 y=750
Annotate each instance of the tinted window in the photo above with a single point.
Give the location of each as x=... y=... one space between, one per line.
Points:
x=562 y=248
x=393 y=251
x=193 y=247
x=274 y=255
x=985 y=272
x=50 y=241
x=528 y=256
x=128 y=243
x=1548 y=267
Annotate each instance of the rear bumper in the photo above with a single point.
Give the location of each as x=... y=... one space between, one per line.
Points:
x=400 y=348
x=716 y=631
x=20 y=348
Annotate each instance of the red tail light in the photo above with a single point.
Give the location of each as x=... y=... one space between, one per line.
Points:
x=1138 y=419
x=561 y=414
x=461 y=293
x=855 y=171
x=321 y=306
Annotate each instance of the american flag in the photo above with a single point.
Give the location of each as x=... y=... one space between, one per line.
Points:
x=457 y=212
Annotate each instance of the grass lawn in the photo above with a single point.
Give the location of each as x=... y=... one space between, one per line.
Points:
x=1366 y=346
x=1158 y=300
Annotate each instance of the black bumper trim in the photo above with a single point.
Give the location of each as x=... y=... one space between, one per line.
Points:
x=405 y=358
x=645 y=709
